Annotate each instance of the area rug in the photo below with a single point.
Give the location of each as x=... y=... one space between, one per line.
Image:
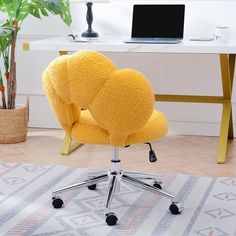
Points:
x=25 y=205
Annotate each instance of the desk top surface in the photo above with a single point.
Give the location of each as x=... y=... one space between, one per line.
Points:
x=186 y=46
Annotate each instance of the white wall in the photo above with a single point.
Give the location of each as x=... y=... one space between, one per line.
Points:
x=183 y=74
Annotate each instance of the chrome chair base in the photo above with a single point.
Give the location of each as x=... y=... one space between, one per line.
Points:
x=114 y=177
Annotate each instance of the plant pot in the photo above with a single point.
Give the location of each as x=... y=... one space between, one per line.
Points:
x=14 y=124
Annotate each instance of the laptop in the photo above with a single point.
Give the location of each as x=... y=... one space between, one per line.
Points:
x=157 y=24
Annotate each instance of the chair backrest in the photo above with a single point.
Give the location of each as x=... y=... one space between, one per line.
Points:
x=121 y=101
x=78 y=78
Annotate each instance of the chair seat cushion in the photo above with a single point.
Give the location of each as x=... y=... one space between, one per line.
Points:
x=88 y=130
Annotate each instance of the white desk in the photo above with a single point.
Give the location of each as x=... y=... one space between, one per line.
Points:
x=62 y=44
x=226 y=54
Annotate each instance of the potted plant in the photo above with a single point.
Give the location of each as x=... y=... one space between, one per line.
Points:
x=14 y=120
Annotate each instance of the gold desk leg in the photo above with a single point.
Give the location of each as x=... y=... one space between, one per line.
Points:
x=61 y=53
x=227 y=63
x=69 y=145
x=226 y=131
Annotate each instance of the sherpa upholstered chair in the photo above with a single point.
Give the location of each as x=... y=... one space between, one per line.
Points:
x=97 y=104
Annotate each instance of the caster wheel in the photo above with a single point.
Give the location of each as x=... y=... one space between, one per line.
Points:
x=157 y=185
x=92 y=187
x=111 y=219
x=176 y=208
x=57 y=202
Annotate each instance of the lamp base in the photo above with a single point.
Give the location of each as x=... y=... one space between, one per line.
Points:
x=89 y=34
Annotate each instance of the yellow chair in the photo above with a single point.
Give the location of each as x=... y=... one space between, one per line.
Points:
x=97 y=104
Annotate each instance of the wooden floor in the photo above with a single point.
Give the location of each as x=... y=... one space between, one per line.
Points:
x=193 y=155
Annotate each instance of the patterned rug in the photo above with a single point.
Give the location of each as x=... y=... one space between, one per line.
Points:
x=25 y=205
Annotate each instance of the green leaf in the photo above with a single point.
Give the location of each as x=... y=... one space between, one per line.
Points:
x=10 y=7
x=5 y=39
x=24 y=12
x=55 y=6
x=19 y=9
x=2 y=6
x=44 y=12
x=58 y=7
x=66 y=17
x=35 y=12
x=66 y=12
x=1 y=80
x=5 y=31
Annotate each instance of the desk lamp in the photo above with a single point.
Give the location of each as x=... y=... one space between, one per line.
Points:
x=89 y=33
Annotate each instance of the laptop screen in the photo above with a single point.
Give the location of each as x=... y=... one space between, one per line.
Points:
x=158 y=21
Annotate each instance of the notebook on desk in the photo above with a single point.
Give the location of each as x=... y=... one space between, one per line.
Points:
x=157 y=24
